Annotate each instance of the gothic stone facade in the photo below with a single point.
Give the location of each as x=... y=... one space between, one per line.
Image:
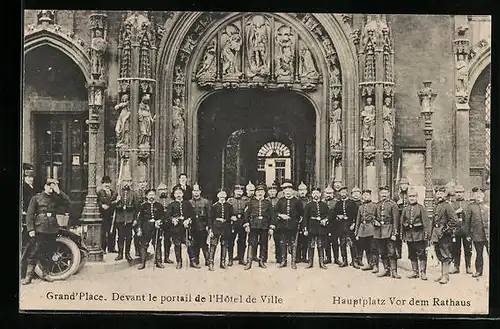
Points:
x=128 y=94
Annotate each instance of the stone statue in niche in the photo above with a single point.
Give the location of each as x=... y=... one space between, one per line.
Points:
x=145 y=122
x=336 y=126
x=231 y=46
x=179 y=74
x=284 y=53
x=388 y=125
x=462 y=74
x=308 y=69
x=258 y=46
x=97 y=47
x=368 y=117
x=334 y=71
x=178 y=129
x=208 y=70
x=122 y=127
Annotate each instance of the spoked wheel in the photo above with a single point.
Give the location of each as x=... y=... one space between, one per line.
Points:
x=84 y=255
x=64 y=260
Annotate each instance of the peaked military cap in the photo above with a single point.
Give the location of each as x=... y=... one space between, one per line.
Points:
x=316 y=189
x=343 y=187
x=383 y=188
x=412 y=192
x=287 y=183
x=367 y=191
x=238 y=187
x=260 y=187
x=356 y=189
x=150 y=190
x=477 y=189
x=106 y=179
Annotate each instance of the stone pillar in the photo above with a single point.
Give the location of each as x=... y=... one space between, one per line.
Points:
x=462 y=55
x=426 y=97
x=91 y=219
x=376 y=62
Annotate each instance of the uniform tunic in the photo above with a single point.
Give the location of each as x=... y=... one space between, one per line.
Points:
x=291 y=207
x=387 y=221
x=149 y=213
x=28 y=193
x=220 y=220
x=415 y=226
x=41 y=214
x=314 y=213
x=127 y=206
x=364 y=221
x=444 y=226
x=478 y=222
x=181 y=211
x=188 y=191
x=201 y=209
x=259 y=214
x=457 y=205
x=105 y=198
x=345 y=213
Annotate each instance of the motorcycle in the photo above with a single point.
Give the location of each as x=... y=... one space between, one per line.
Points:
x=67 y=258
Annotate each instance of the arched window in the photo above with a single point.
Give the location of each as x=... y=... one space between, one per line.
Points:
x=487 y=125
x=274 y=149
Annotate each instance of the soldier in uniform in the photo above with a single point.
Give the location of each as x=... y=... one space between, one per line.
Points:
x=444 y=225
x=258 y=223
x=303 y=240
x=221 y=216
x=272 y=193
x=180 y=213
x=105 y=196
x=149 y=220
x=401 y=200
x=478 y=228
x=250 y=190
x=126 y=205
x=289 y=211
x=345 y=212
x=199 y=231
x=337 y=186
x=28 y=193
x=239 y=202
x=332 y=239
x=166 y=225
x=316 y=217
x=415 y=227
x=459 y=204
x=356 y=197
x=386 y=232
x=364 y=230
x=42 y=227
x=141 y=192
x=186 y=189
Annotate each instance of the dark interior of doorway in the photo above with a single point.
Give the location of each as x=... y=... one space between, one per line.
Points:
x=283 y=116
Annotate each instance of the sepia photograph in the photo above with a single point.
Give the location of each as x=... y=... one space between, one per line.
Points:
x=255 y=162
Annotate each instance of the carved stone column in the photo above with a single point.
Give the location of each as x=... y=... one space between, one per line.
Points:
x=426 y=97
x=91 y=219
x=462 y=53
x=137 y=49
x=376 y=60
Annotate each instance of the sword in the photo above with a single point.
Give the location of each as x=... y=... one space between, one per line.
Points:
x=154 y=247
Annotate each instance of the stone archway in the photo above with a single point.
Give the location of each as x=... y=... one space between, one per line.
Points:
x=182 y=85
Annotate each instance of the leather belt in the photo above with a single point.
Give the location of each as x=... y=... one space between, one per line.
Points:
x=49 y=214
x=220 y=220
x=316 y=218
x=260 y=217
x=152 y=220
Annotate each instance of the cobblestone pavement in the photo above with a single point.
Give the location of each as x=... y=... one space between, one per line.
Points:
x=311 y=290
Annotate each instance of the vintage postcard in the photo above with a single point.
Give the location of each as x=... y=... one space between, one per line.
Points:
x=256 y=162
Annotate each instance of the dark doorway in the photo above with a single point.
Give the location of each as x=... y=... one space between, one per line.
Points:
x=255 y=117
x=55 y=97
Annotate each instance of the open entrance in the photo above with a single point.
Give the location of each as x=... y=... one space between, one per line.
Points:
x=55 y=112
x=255 y=135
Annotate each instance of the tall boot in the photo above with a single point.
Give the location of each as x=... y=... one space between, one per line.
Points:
x=394 y=269
x=223 y=255
x=311 y=257
x=414 y=268
x=354 y=256
x=142 y=254
x=30 y=271
x=321 y=252
x=178 y=256
x=206 y=254
x=387 y=271
x=293 y=255
x=442 y=272
x=375 y=262
x=423 y=269
x=230 y=253
x=446 y=271
x=369 y=262
x=211 y=258
x=120 y=251
x=468 y=261
x=343 y=253
x=249 y=258
x=128 y=244
x=284 y=255
x=137 y=246
x=166 y=246
x=328 y=253
x=158 y=257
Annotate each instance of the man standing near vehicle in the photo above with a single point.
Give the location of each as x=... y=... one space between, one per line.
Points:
x=28 y=193
x=42 y=226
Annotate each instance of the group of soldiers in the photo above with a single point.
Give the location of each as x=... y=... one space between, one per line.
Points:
x=300 y=221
